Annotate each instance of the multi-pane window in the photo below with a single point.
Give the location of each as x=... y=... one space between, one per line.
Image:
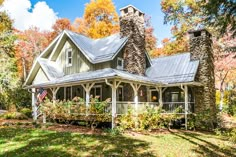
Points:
x=68 y=93
x=120 y=63
x=69 y=57
x=96 y=91
x=120 y=95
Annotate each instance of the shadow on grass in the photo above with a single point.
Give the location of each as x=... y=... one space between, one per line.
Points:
x=32 y=142
x=205 y=147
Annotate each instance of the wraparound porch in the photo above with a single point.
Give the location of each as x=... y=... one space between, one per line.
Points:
x=138 y=94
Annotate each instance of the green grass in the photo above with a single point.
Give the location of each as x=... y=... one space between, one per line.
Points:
x=28 y=142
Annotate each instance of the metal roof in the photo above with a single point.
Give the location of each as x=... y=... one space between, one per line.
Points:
x=98 y=50
x=98 y=74
x=173 y=69
x=50 y=68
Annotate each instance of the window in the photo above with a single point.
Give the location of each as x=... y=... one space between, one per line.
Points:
x=68 y=93
x=69 y=57
x=120 y=96
x=154 y=96
x=96 y=91
x=120 y=63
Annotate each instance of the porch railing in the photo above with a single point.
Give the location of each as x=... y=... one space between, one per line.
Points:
x=123 y=107
x=171 y=107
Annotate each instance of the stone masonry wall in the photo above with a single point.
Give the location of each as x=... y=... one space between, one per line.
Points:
x=200 y=48
x=134 y=53
x=132 y=26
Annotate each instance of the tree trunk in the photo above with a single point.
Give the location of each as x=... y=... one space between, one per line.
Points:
x=24 y=69
x=221 y=98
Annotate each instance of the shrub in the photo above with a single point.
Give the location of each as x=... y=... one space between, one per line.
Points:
x=151 y=118
x=27 y=112
x=232 y=136
x=14 y=115
x=126 y=121
x=204 y=120
x=67 y=111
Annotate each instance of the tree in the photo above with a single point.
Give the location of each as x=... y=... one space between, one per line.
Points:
x=9 y=80
x=225 y=65
x=101 y=18
x=7 y=37
x=150 y=39
x=30 y=44
x=221 y=15
x=58 y=27
x=80 y=26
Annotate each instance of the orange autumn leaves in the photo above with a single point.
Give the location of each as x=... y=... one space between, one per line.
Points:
x=100 y=20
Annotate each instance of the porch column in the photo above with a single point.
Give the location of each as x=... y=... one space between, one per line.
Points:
x=34 y=106
x=87 y=87
x=160 y=91
x=160 y=97
x=135 y=88
x=113 y=86
x=148 y=94
x=186 y=106
x=54 y=93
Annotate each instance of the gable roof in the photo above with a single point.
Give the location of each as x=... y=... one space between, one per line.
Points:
x=51 y=69
x=173 y=69
x=96 y=50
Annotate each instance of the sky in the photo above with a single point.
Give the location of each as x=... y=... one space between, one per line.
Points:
x=43 y=13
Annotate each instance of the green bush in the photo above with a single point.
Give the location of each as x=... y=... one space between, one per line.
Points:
x=232 y=136
x=204 y=120
x=27 y=112
x=14 y=115
x=151 y=118
x=67 y=111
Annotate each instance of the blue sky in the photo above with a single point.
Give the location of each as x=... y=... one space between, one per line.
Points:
x=75 y=8
x=43 y=13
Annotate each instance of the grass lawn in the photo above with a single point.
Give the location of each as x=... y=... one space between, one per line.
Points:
x=34 y=142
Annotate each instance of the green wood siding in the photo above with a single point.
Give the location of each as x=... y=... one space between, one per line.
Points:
x=40 y=77
x=79 y=61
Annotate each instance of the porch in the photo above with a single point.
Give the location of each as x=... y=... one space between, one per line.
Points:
x=124 y=96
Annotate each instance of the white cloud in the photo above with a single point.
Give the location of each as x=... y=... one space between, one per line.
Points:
x=25 y=16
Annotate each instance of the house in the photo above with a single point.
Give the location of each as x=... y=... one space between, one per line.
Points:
x=118 y=67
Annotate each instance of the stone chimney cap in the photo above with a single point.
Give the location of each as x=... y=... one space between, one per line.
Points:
x=198 y=30
x=132 y=7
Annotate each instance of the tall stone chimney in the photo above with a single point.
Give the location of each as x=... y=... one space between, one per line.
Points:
x=132 y=26
x=201 y=49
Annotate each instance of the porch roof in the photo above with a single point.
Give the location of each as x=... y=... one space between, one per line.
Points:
x=173 y=69
x=107 y=73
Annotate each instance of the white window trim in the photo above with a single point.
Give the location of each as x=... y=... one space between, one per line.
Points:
x=122 y=62
x=67 y=57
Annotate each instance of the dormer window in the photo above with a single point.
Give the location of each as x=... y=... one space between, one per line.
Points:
x=120 y=63
x=69 y=57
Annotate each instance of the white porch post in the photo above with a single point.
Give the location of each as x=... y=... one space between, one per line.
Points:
x=54 y=94
x=160 y=91
x=148 y=94
x=135 y=88
x=34 y=101
x=186 y=106
x=160 y=97
x=113 y=86
x=87 y=87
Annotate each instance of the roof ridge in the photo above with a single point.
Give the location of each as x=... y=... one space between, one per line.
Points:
x=177 y=54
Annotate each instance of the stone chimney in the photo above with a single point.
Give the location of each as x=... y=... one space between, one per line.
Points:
x=201 y=49
x=132 y=26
